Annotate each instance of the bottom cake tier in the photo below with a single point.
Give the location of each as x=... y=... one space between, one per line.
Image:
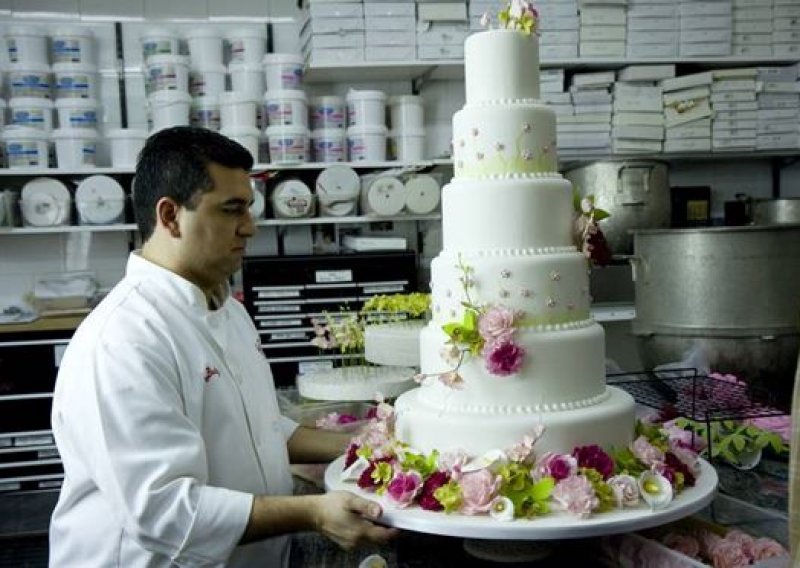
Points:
x=609 y=423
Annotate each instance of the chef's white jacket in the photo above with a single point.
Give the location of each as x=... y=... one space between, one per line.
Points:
x=166 y=420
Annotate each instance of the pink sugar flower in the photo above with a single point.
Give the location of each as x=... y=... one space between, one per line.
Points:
x=729 y=554
x=781 y=425
x=686 y=544
x=767 y=548
x=453 y=460
x=557 y=466
x=404 y=487
x=646 y=452
x=452 y=380
x=626 y=490
x=744 y=540
x=496 y=325
x=504 y=358
x=576 y=495
x=478 y=490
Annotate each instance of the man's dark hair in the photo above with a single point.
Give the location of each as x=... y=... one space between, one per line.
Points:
x=174 y=163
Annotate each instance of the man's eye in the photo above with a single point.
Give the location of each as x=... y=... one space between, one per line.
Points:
x=235 y=209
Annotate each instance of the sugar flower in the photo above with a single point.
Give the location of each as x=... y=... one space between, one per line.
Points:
x=745 y=541
x=478 y=490
x=452 y=460
x=764 y=548
x=576 y=495
x=404 y=487
x=450 y=354
x=557 y=466
x=502 y=509
x=595 y=458
x=626 y=490
x=496 y=325
x=686 y=544
x=729 y=554
x=427 y=500
x=504 y=358
x=646 y=452
x=452 y=380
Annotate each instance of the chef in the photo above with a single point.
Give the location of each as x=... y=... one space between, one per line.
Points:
x=164 y=411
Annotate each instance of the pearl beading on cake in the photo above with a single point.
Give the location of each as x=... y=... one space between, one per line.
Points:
x=531 y=408
x=506 y=102
x=522 y=176
x=517 y=252
x=558 y=326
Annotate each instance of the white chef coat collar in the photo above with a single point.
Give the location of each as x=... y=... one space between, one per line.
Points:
x=175 y=285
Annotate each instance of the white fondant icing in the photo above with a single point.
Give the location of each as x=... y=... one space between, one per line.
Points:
x=355 y=383
x=393 y=343
x=501 y=64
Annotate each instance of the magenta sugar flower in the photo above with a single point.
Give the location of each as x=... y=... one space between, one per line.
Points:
x=595 y=458
x=426 y=500
x=404 y=487
x=557 y=466
x=504 y=358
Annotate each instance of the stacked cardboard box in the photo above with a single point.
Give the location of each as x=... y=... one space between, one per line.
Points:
x=390 y=31
x=778 y=113
x=706 y=28
x=603 y=28
x=554 y=95
x=637 y=125
x=786 y=28
x=559 y=29
x=588 y=131
x=442 y=28
x=333 y=32
x=687 y=113
x=733 y=100
x=652 y=29
x=752 y=28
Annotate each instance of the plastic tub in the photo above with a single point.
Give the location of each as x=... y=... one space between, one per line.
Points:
x=75 y=80
x=75 y=147
x=207 y=81
x=247 y=136
x=29 y=80
x=407 y=146
x=26 y=147
x=73 y=44
x=126 y=143
x=2 y=113
x=159 y=41
x=77 y=113
x=366 y=143
x=167 y=73
x=248 y=44
x=204 y=113
x=287 y=107
x=366 y=108
x=283 y=71
x=100 y=200
x=407 y=113
x=169 y=108
x=328 y=112
x=329 y=145
x=205 y=46
x=26 y=45
x=247 y=78
x=236 y=110
x=288 y=144
x=33 y=112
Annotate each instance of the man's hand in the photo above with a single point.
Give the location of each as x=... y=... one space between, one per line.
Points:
x=346 y=519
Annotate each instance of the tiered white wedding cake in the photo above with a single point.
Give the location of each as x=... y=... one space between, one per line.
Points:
x=511 y=345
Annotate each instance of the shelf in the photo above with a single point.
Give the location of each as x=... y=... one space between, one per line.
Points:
x=566 y=159
x=28 y=172
x=451 y=69
x=347 y=220
x=68 y=229
x=355 y=165
x=613 y=312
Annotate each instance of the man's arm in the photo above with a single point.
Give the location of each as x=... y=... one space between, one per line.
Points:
x=310 y=445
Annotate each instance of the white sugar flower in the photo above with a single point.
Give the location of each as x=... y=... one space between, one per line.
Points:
x=502 y=509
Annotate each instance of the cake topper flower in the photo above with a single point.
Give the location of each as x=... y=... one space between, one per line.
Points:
x=516 y=15
x=586 y=233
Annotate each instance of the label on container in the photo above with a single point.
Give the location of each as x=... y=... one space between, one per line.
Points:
x=74 y=86
x=89 y=154
x=163 y=78
x=291 y=76
x=29 y=85
x=82 y=118
x=157 y=47
x=329 y=150
x=287 y=148
x=67 y=51
x=333 y=276
x=237 y=50
x=205 y=117
x=25 y=154
x=280 y=114
x=327 y=116
x=13 y=50
x=33 y=118
x=357 y=147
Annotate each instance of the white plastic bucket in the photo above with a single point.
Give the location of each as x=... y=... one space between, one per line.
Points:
x=205 y=47
x=33 y=112
x=159 y=41
x=169 y=108
x=29 y=80
x=366 y=108
x=205 y=113
x=75 y=80
x=167 y=73
x=26 y=147
x=236 y=110
x=2 y=113
x=248 y=44
x=247 y=136
x=288 y=144
x=366 y=143
x=207 y=81
x=407 y=146
x=283 y=71
x=329 y=145
x=26 y=45
x=75 y=147
x=73 y=44
x=407 y=113
x=126 y=143
x=77 y=113
x=286 y=107
x=247 y=78
x=328 y=112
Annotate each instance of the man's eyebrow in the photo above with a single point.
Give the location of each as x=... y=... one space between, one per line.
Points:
x=237 y=201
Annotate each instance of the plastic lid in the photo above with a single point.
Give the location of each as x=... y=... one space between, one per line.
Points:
x=337 y=182
x=50 y=199
x=234 y=97
x=23 y=30
x=158 y=31
x=100 y=199
x=407 y=132
x=203 y=31
x=38 y=102
x=209 y=68
x=367 y=129
x=34 y=67
x=15 y=132
x=119 y=133
x=166 y=97
x=233 y=131
x=353 y=95
x=327 y=99
x=64 y=133
x=286 y=129
x=285 y=94
x=328 y=132
x=73 y=31
x=76 y=103
x=68 y=66
x=405 y=100
x=247 y=31
x=282 y=58
x=245 y=66
x=162 y=58
x=205 y=101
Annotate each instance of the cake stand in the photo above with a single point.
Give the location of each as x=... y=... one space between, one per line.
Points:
x=554 y=526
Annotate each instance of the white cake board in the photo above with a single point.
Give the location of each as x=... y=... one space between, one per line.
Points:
x=554 y=526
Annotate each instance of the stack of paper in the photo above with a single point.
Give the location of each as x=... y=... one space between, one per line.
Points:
x=603 y=28
x=706 y=28
x=559 y=29
x=687 y=113
x=778 y=113
x=652 y=28
x=733 y=100
x=752 y=28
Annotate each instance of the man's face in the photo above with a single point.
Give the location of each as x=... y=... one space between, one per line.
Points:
x=214 y=234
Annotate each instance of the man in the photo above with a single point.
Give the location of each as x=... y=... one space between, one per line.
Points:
x=164 y=410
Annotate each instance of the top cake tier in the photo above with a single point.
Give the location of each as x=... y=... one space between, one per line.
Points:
x=501 y=65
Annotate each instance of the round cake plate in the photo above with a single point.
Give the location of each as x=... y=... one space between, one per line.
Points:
x=555 y=526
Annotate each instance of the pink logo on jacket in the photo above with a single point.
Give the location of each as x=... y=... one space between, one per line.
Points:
x=209 y=373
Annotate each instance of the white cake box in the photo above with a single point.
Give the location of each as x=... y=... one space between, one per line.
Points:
x=665 y=10
x=706 y=36
x=549 y=11
x=336 y=10
x=441 y=12
x=591 y=97
x=736 y=106
x=785 y=49
x=786 y=23
x=772 y=141
x=644 y=37
x=692 y=9
x=602 y=33
x=776 y=100
x=625 y=145
x=564 y=23
x=787 y=11
x=350 y=40
x=718 y=49
x=688 y=145
x=755 y=27
x=674 y=117
x=749 y=3
x=750 y=14
x=558 y=52
x=454 y=51
x=323 y=25
x=340 y=55
x=559 y=38
x=398 y=23
x=602 y=48
x=707 y=23
x=778 y=114
x=689 y=131
x=644 y=118
x=442 y=34
x=722 y=124
x=786 y=37
x=737 y=114
x=652 y=50
x=652 y=24
x=639 y=132
x=733 y=134
x=725 y=85
x=390 y=9
x=390 y=38
x=602 y=15
x=752 y=50
x=733 y=96
x=777 y=127
x=391 y=53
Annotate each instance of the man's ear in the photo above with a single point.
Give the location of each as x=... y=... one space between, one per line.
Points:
x=168 y=216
